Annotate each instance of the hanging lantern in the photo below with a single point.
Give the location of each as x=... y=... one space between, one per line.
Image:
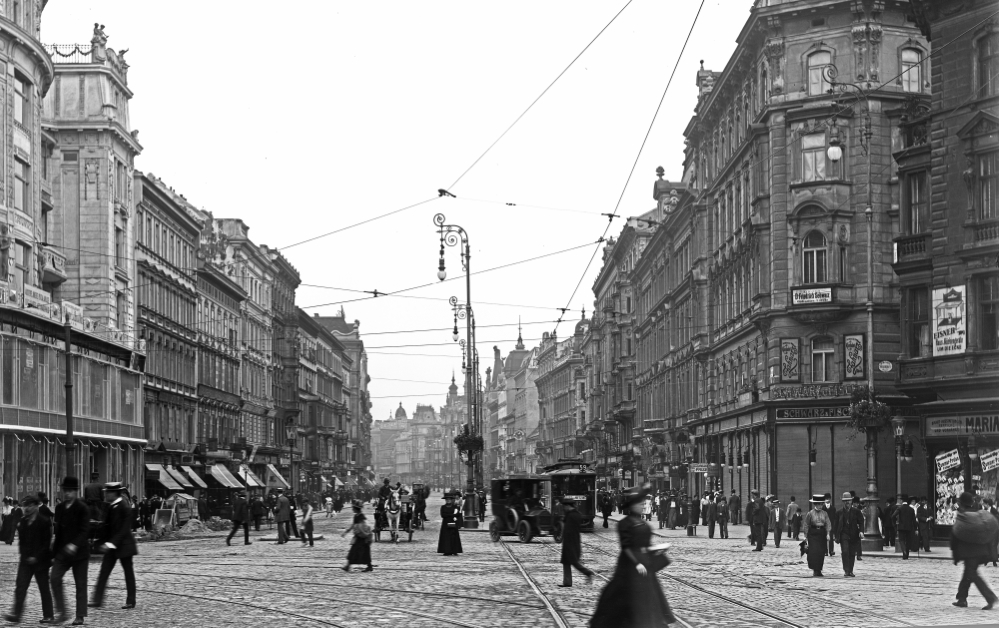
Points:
x=745 y=458
x=908 y=451
x=812 y=455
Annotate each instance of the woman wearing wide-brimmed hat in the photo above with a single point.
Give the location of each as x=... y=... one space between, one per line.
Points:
x=360 y=542
x=818 y=527
x=449 y=541
x=633 y=597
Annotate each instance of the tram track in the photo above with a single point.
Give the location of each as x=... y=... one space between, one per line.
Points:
x=326 y=599
x=686 y=583
x=550 y=605
x=394 y=590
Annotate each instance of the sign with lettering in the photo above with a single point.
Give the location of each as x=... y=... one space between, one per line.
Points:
x=853 y=356
x=34 y=297
x=962 y=425
x=699 y=467
x=75 y=314
x=990 y=460
x=811 y=295
x=789 y=360
x=835 y=412
x=884 y=366
x=948 y=460
x=810 y=391
x=948 y=321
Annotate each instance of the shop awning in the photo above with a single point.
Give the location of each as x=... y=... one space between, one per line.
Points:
x=222 y=475
x=323 y=478
x=252 y=481
x=180 y=477
x=164 y=478
x=194 y=477
x=275 y=479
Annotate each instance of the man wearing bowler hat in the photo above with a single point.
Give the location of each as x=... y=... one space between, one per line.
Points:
x=71 y=549
x=118 y=543
x=34 y=534
x=572 y=546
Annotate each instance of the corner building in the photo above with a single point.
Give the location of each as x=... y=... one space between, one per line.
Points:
x=764 y=302
x=52 y=276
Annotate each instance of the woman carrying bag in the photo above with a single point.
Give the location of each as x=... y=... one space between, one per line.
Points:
x=633 y=597
x=818 y=526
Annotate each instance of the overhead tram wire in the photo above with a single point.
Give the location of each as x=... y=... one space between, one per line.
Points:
x=377 y=294
x=535 y=101
x=617 y=206
x=414 y=296
x=357 y=224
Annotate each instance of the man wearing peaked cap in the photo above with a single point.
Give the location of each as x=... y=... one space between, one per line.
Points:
x=71 y=548
x=118 y=543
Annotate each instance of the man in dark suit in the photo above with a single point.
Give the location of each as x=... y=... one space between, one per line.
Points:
x=34 y=533
x=888 y=522
x=760 y=519
x=848 y=530
x=735 y=508
x=240 y=517
x=282 y=515
x=905 y=525
x=831 y=511
x=71 y=548
x=572 y=546
x=119 y=545
x=925 y=519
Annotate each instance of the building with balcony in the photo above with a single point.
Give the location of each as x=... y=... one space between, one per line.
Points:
x=218 y=326
x=356 y=457
x=561 y=411
x=284 y=354
x=168 y=236
x=763 y=312
x=946 y=246
x=43 y=195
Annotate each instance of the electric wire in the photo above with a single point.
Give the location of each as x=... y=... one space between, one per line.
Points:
x=550 y=85
x=358 y=224
x=614 y=213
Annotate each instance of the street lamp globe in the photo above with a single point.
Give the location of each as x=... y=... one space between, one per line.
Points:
x=442 y=274
x=835 y=152
x=454 y=335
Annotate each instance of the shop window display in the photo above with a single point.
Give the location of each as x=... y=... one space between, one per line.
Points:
x=950 y=485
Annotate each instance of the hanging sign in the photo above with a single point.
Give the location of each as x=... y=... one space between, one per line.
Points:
x=948 y=321
x=990 y=460
x=948 y=460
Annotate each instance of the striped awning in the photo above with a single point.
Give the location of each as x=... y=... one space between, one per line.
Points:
x=222 y=475
x=250 y=478
x=164 y=478
x=275 y=479
x=194 y=477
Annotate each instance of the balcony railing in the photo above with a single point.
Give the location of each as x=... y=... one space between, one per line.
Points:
x=912 y=247
x=985 y=234
x=53 y=266
x=84 y=54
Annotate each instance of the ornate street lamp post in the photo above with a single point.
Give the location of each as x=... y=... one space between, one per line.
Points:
x=291 y=433
x=861 y=94
x=454 y=235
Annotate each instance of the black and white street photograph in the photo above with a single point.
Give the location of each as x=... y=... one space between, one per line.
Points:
x=524 y=314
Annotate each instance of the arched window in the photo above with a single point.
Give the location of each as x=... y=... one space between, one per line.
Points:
x=912 y=70
x=764 y=88
x=814 y=258
x=818 y=62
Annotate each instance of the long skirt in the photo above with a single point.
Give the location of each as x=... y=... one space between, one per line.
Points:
x=816 y=548
x=449 y=541
x=632 y=601
x=360 y=553
x=671 y=518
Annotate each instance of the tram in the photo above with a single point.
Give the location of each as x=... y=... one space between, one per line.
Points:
x=573 y=478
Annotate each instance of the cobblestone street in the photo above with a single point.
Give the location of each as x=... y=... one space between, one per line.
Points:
x=712 y=582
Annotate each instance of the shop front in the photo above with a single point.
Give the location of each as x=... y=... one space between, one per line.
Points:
x=964 y=450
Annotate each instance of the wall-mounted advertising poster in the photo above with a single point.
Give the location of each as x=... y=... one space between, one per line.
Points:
x=949 y=321
x=854 y=358
x=790 y=360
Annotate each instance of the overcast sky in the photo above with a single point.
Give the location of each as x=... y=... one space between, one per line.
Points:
x=303 y=118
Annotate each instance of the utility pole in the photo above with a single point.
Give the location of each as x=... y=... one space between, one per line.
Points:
x=70 y=438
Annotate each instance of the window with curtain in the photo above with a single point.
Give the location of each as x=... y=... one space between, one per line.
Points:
x=917 y=205
x=918 y=322
x=988 y=65
x=912 y=70
x=988 y=185
x=818 y=64
x=988 y=320
x=814 y=258
x=813 y=157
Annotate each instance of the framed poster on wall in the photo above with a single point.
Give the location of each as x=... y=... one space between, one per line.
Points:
x=854 y=358
x=790 y=360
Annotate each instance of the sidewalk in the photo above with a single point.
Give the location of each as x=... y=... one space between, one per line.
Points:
x=740 y=533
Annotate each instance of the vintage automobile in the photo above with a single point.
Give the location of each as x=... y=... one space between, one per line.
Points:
x=518 y=508
x=575 y=479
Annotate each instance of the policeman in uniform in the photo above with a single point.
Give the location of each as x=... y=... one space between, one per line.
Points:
x=118 y=543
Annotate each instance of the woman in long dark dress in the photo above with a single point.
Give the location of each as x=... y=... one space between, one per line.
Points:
x=360 y=543
x=633 y=597
x=817 y=526
x=449 y=542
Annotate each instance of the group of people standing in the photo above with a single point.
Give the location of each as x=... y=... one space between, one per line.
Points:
x=52 y=546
